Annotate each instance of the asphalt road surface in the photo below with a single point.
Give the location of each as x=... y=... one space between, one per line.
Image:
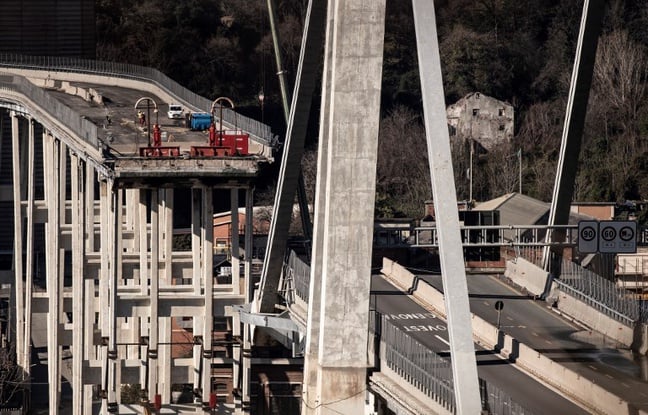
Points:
x=534 y=323
x=431 y=331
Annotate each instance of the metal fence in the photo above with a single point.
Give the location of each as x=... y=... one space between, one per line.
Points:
x=257 y=130
x=431 y=373
x=296 y=277
x=592 y=289
x=85 y=129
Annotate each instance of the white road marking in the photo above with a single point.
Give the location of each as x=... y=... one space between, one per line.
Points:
x=509 y=318
x=608 y=376
x=625 y=384
x=442 y=339
x=592 y=367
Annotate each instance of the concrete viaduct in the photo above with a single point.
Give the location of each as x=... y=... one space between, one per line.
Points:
x=94 y=273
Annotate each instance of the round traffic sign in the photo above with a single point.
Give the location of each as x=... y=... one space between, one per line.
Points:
x=608 y=233
x=499 y=304
x=588 y=233
x=626 y=233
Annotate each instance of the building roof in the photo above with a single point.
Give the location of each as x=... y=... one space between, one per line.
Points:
x=516 y=209
x=519 y=209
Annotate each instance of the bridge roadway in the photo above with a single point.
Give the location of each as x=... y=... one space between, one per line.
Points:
x=533 y=323
x=430 y=330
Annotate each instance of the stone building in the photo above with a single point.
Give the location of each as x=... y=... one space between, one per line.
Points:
x=484 y=119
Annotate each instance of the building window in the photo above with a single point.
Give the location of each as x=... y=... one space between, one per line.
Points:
x=475 y=112
x=501 y=127
x=501 y=112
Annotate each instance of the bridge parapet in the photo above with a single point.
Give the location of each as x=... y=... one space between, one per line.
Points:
x=257 y=130
x=83 y=128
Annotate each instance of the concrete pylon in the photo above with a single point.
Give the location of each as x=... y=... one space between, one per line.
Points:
x=336 y=348
x=335 y=367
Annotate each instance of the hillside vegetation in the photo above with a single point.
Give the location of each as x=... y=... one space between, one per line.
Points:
x=519 y=51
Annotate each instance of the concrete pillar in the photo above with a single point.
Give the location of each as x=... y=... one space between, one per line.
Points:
x=29 y=266
x=236 y=361
x=90 y=208
x=78 y=251
x=19 y=287
x=196 y=249
x=143 y=242
x=236 y=262
x=114 y=252
x=208 y=278
x=164 y=360
x=154 y=297
x=105 y=248
x=576 y=111
x=249 y=243
x=311 y=351
x=453 y=273
x=167 y=232
x=196 y=240
x=355 y=37
x=290 y=179
x=52 y=265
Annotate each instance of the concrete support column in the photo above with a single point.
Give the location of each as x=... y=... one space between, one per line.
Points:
x=196 y=241
x=167 y=232
x=90 y=208
x=164 y=360
x=354 y=52
x=355 y=37
x=249 y=243
x=453 y=272
x=154 y=297
x=143 y=242
x=115 y=254
x=104 y=277
x=236 y=262
x=52 y=265
x=196 y=249
x=311 y=350
x=131 y=221
x=246 y=369
x=29 y=266
x=78 y=303
x=19 y=287
x=236 y=361
x=208 y=278
x=572 y=135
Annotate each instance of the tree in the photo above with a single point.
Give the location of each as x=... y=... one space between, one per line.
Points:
x=403 y=173
x=11 y=377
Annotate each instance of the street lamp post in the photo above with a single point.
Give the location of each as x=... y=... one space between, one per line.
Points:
x=219 y=101
x=261 y=99
x=148 y=101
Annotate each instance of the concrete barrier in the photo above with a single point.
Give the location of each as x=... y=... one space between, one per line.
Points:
x=526 y=275
x=593 y=318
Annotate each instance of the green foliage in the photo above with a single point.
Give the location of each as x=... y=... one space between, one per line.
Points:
x=519 y=51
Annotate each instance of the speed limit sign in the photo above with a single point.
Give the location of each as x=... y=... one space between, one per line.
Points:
x=588 y=236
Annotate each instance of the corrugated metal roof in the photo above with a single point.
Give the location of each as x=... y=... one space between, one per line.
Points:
x=517 y=209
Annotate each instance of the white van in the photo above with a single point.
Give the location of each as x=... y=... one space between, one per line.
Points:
x=175 y=111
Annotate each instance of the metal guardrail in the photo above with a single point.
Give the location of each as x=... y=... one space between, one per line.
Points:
x=296 y=277
x=417 y=364
x=592 y=289
x=431 y=373
x=66 y=116
x=499 y=235
x=257 y=130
